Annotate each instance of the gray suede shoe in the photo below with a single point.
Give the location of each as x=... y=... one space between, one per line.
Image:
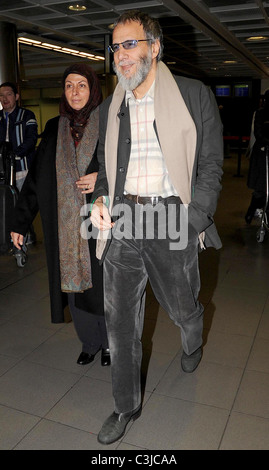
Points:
x=190 y=362
x=115 y=425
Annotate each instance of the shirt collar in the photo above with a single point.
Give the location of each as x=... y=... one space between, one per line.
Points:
x=9 y=114
x=130 y=96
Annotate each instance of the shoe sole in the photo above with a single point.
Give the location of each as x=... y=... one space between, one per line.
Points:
x=190 y=371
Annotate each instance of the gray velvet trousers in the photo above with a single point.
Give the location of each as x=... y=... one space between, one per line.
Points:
x=174 y=276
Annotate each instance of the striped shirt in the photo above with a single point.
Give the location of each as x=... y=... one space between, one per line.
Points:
x=147 y=174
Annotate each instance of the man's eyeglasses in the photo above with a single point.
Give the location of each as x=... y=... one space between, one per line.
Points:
x=130 y=44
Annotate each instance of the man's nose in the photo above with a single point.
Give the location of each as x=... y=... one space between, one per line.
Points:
x=122 y=53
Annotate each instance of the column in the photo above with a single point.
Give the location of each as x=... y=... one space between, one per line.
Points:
x=9 y=63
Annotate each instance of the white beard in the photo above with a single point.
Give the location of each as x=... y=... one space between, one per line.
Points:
x=143 y=68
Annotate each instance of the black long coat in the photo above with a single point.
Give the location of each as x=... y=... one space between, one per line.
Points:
x=257 y=166
x=39 y=193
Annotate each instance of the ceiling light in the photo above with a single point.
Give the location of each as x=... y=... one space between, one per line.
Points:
x=56 y=48
x=43 y=46
x=51 y=45
x=257 y=38
x=32 y=41
x=86 y=54
x=230 y=62
x=69 y=50
x=77 y=7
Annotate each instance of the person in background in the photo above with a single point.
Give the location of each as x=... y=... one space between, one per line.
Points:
x=252 y=136
x=60 y=181
x=18 y=126
x=160 y=152
x=257 y=167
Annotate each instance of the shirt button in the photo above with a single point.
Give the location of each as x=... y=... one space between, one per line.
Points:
x=117 y=198
x=121 y=169
x=128 y=141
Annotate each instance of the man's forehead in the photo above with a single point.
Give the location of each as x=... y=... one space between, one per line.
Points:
x=6 y=89
x=130 y=27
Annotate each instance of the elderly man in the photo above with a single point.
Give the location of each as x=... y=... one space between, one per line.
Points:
x=160 y=153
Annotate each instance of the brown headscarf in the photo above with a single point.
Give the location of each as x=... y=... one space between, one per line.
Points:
x=73 y=156
x=78 y=119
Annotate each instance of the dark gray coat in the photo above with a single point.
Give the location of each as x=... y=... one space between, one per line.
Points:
x=207 y=169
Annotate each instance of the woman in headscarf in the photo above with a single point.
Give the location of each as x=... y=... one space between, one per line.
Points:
x=59 y=183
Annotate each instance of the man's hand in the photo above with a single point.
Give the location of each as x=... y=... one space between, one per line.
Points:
x=100 y=217
x=17 y=239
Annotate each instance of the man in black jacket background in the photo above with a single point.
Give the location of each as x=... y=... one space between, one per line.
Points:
x=18 y=126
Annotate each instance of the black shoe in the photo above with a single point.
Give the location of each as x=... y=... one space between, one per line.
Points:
x=85 y=358
x=190 y=362
x=115 y=425
x=105 y=357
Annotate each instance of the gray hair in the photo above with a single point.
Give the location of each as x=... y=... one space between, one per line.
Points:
x=150 y=25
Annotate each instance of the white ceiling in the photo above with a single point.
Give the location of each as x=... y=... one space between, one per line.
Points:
x=199 y=35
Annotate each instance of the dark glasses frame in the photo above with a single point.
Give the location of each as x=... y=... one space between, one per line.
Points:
x=129 y=44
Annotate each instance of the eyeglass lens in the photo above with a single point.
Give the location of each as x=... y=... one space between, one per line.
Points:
x=130 y=44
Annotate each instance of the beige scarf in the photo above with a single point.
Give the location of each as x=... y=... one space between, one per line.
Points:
x=177 y=136
x=71 y=163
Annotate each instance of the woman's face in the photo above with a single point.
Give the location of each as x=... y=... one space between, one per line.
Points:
x=77 y=91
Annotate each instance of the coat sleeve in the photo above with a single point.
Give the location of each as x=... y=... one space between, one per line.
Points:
x=30 y=136
x=27 y=205
x=261 y=128
x=101 y=185
x=208 y=172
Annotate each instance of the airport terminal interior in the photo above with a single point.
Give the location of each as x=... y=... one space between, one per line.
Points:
x=47 y=400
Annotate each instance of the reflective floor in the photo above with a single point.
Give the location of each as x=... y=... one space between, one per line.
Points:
x=49 y=402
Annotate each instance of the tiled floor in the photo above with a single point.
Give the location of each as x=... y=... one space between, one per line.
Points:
x=49 y=402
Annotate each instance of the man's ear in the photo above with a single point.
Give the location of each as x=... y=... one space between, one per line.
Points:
x=155 y=47
x=17 y=96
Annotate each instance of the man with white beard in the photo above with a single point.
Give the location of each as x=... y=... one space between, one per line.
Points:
x=160 y=146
